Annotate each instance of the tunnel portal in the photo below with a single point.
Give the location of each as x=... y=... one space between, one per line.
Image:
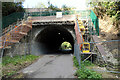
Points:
x=50 y=39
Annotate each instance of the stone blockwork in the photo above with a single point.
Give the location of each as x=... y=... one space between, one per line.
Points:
x=108 y=61
x=21 y=48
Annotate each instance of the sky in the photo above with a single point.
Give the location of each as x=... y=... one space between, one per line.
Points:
x=79 y=4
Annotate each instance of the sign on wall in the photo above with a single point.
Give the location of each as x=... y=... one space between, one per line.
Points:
x=58 y=14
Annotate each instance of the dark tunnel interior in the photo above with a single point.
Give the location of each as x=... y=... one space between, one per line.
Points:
x=52 y=37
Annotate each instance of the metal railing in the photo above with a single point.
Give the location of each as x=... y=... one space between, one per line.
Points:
x=49 y=13
x=79 y=37
x=12 y=26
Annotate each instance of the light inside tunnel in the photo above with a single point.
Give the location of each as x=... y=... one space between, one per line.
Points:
x=49 y=40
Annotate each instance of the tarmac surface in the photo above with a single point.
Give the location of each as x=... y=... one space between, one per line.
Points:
x=51 y=66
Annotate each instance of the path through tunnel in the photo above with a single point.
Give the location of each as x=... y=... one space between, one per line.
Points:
x=50 y=39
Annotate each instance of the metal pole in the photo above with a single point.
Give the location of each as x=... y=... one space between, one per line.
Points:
x=79 y=56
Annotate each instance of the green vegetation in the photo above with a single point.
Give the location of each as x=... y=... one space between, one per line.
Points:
x=11 y=7
x=40 y=5
x=85 y=73
x=55 y=8
x=111 y=9
x=12 y=65
x=83 y=64
x=67 y=8
x=66 y=45
x=11 y=12
x=17 y=59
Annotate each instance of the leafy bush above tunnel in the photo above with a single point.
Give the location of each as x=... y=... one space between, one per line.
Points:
x=66 y=45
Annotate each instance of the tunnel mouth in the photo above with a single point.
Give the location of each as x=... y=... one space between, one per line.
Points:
x=49 y=40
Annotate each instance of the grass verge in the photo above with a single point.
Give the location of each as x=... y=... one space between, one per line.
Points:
x=85 y=73
x=11 y=66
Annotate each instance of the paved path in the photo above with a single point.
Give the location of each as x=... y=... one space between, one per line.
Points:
x=52 y=66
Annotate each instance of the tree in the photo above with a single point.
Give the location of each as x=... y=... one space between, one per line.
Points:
x=11 y=7
x=66 y=8
x=40 y=5
x=108 y=8
x=52 y=7
x=111 y=9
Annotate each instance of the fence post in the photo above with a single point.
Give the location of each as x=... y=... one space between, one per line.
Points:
x=97 y=24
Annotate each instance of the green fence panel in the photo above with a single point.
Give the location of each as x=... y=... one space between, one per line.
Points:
x=45 y=13
x=50 y=13
x=95 y=21
x=10 y=19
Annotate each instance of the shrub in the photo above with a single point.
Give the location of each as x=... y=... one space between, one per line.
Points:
x=83 y=72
